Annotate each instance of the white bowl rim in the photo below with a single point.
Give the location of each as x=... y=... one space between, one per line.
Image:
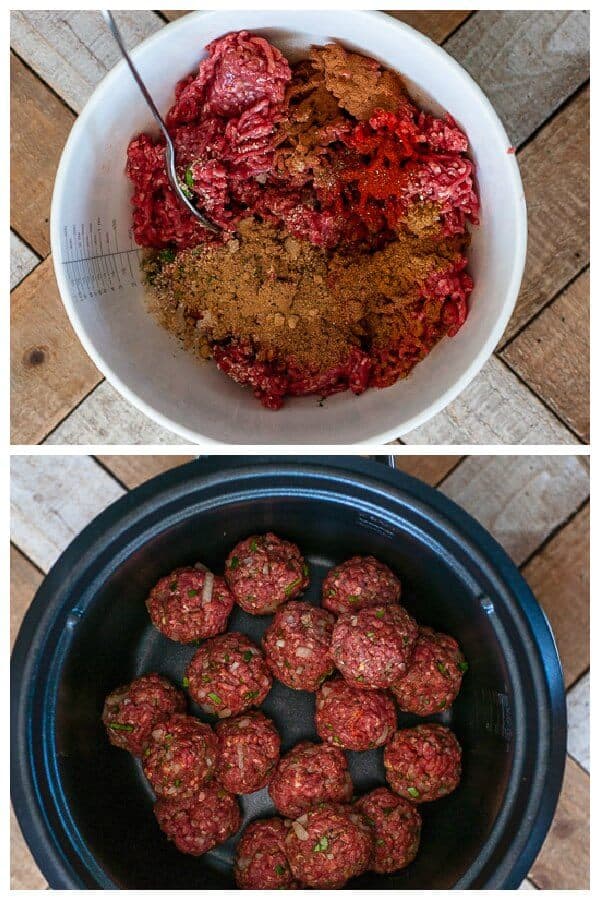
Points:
x=389 y=434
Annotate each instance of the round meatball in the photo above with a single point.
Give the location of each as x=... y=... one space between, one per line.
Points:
x=296 y=645
x=198 y=824
x=372 y=648
x=353 y=718
x=309 y=774
x=329 y=845
x=260 y=860
x=358 y=583
x=180 y=757
x=190 y=604
x=248 y=752
x=433 y=679
x=228 y=675
x=396 y=827
x=423 y=763
x=132 y=711
x=263 y=572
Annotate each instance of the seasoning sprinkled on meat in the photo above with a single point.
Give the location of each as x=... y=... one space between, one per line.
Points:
x=200 y=822
x=263 y=571
x=228 y=675
x=248 y=752
x=132 y=711
x=190 y=604
x=297 y=644
x=396 y=826
x=423 y=763
x=180 y=757
x=434 y=675
x=309 y=774
x=260 y=860
x=352 y=718
x=358 y=583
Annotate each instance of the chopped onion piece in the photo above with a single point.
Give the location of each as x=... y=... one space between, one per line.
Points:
x=301 y=833
x=207 y=587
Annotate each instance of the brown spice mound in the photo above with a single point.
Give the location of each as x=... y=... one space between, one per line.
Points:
x=360 y=84
x=292 y=299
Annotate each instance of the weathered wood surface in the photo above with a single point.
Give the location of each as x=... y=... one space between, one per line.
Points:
x=578 y=714
x=25 y=579
x=22 y=260
x=526 y=62
x=135 y=470
x=50 y=371
x=432 y=469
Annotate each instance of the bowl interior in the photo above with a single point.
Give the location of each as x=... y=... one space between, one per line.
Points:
x=97 y=262
x=109 y=801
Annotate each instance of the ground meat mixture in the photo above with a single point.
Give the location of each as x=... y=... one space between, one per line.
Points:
x=198 y=824
x=228 y=675
x=190 y=604
x=396 y=826
x=260 y=860
x=309 y=774
x=372 y=648
x=297 y=644
x=329 y=845
x=180 y=757
x=331 y=165
x=434 y=675
x=352 y=718
x=248 y=752
x=358 y=583
x=132 y=711
x=263 y=571
x=423 y=763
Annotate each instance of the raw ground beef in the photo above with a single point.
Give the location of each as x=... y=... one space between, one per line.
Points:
x=434 y=675
x=357 y=583
x=372 y=648
x=132 y=711
x=198 y=824
x=296 y=645
x=352 y=718
x=328 y=845
x=228 y=675
x=263 y=571
x=248 y=752
x=190 y=604
x=309 y=774
x=396 y=826
x=180 y=757
x=260 y=860
x=423 y=763
x=337 y=154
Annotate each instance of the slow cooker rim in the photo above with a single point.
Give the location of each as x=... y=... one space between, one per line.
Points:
x=184 y=480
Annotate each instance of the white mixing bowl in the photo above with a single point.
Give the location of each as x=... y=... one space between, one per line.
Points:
x=97 y=263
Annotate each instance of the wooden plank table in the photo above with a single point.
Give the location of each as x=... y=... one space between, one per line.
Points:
x=534 y=66
x=536 y=506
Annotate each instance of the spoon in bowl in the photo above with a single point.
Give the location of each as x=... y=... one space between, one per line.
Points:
x=169 y=149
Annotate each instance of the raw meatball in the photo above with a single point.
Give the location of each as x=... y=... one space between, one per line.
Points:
x=263 y=572
x=396 y=825
x=198 y=824
x=132 y=711
x=328 y=845
x=433 y=679
x=248 y=752
x=260 y=860
x=372 y=648
x=309 y=774
x=228 y=675
x=358 y=583
x=190 y=604
x=180 y=757
x=297 y=644
x=353 y=718
x=423 y=763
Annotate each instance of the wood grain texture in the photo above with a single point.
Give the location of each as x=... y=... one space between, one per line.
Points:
x=431 y=469
x=73 y=50
x=135 y=470
x=39 y=127
x=52 y=499
x=553 y=356
x=564 y=860
x=578 y=715
x=106 y=418
x=25 y=579
x=24 y=874
x=494 y=409
x=557 y=208
x=22 y=260
x=559 y=576
x=526 y=62
x=519 y=499
x=50 y=372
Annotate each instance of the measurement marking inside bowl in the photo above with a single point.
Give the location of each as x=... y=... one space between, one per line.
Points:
x=95 y=260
